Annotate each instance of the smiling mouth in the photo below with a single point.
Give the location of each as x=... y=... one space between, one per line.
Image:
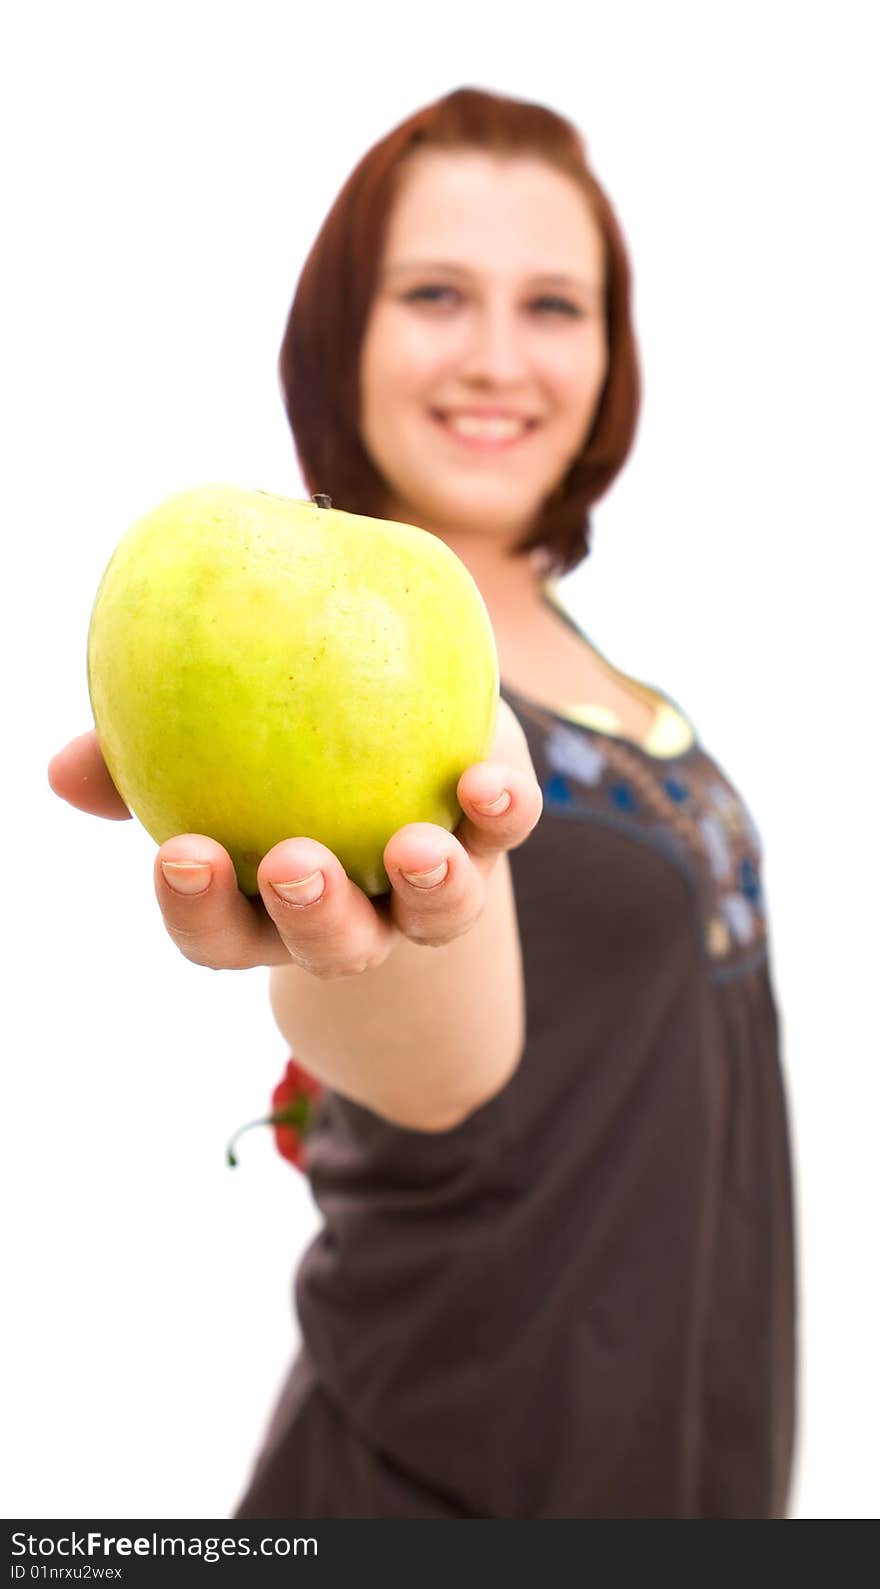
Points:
x=484 y=433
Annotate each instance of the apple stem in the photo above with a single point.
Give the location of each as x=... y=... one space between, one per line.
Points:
x=321 y=500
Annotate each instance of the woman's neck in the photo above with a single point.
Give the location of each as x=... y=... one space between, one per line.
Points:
x=508 y=583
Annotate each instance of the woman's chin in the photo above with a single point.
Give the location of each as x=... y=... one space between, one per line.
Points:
x=502 y=514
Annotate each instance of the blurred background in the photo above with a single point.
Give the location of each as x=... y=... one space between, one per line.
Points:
x=167 y=170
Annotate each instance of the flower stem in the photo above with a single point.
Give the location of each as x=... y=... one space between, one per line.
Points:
x=231 y=1158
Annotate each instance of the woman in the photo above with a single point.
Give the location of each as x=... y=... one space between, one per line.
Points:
x=555 y=1275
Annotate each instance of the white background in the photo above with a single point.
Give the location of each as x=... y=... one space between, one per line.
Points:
x=168 y=168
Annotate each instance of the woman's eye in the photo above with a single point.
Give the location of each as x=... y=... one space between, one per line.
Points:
x=558 y=306
x=431 y=292
x=435 y=293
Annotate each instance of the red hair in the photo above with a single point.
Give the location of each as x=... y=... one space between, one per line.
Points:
x=320 y=352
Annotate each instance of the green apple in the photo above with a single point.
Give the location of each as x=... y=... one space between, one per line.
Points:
x=263 y=668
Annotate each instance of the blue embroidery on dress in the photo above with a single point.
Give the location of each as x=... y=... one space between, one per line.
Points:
x=749 y=880
x=568 y=751
x=696 y=818
x=720 y=858
x=738 y=917
x=676 y=791
x=557 y=792
x=622 y=797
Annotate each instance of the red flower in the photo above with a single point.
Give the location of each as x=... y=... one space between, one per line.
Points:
x=294 y=1102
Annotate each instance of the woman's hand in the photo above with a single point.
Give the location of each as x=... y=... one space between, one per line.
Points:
x=309 y=911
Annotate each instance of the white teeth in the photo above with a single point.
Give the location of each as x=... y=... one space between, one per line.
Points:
x=495 y=429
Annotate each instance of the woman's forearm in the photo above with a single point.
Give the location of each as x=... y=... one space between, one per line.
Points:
x=426 y=1037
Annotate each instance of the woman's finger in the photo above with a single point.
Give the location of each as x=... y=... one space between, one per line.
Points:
x=439 y=879
x=309 y=911
x=78 y=774
x=325 y=922
x=437 y=892
x=206 y=916
x=501 y=804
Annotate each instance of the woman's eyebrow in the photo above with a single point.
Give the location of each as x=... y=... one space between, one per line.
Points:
x=449 y=267
x=425 y=264
x=581 y=283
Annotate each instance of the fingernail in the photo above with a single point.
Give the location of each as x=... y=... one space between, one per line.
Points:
x=428 y=879
x=493 y=808
x=187 y=877
x=301 y=890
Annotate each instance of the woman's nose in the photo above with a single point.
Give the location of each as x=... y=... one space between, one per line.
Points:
x=496 y=347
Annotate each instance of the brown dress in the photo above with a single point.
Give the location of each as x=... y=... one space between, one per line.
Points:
x=579 y=1303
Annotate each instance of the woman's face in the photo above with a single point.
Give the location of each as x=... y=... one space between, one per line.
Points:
x=484 y=353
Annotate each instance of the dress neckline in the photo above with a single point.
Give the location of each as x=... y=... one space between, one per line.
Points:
x=671 y=734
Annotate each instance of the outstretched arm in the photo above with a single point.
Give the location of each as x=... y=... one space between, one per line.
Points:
x=412 y=1004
